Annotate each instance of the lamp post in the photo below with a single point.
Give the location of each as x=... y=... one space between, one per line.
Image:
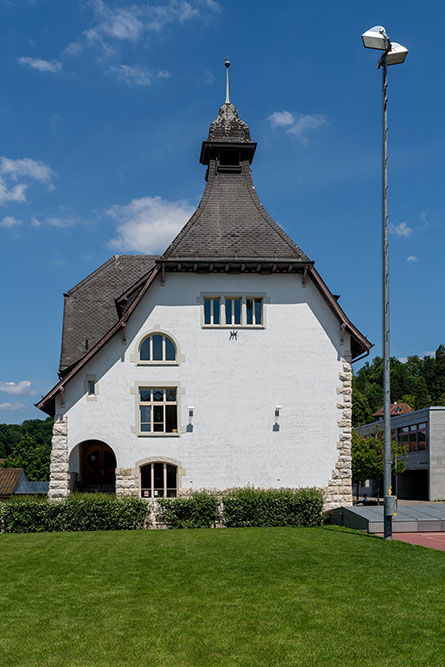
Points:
x=393 y=54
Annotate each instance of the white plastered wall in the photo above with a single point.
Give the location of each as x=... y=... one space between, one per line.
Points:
x=233 y=385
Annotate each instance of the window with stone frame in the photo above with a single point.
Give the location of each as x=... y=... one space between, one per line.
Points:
x=231 y=311
x=157 y=348
x=158 y=410
x=159 y=480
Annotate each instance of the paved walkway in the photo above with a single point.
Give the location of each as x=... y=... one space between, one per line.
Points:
x=431 y=540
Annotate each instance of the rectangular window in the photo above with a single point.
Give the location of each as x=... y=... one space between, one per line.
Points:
x=91 y=388
x=233 y=310
x=238 y=311
x=254 y=312
x=212 y=311
x=158 y=410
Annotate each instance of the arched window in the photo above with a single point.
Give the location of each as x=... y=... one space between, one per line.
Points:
x=157 y=347
x=158 y=480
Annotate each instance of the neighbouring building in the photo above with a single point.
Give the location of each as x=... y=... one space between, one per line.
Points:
x=225 y=362
x=422 y=435
x=13 y=482
x=395 y=409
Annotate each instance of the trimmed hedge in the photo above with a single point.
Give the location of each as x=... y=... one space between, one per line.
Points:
x=77 y=512
x=273 y=507
x=199 y=510
x=240 y=508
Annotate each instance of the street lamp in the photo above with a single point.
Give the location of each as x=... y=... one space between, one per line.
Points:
x=393 y=54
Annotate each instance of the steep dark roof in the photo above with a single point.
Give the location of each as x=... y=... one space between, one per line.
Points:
x=90 y=308
x=230 y=221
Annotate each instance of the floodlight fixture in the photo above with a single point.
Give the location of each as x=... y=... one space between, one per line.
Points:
x=393 y=54
x=375 y=38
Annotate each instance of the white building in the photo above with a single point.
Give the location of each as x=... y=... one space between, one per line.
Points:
x=225 y=362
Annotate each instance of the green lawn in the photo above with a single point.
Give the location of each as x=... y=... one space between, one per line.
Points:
x=255 y=596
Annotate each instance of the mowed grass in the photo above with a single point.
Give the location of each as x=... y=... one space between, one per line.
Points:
x=255 y=596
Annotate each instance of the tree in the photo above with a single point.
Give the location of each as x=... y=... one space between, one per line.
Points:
x=368 y=458
x=32 y=456
x=361 y=412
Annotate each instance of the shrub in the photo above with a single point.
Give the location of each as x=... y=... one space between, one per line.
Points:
x=77 y=512
x=199 y=510
x=273 y=507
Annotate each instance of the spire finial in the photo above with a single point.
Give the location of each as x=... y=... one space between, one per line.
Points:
x=227 y=64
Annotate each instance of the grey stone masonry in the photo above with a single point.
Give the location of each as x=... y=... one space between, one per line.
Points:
x=126 y=482
x=339 y=489
x=59 y=480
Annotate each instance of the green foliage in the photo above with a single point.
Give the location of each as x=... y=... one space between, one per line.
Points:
x=367 y=457
x=78 y=512
x=31 y=455
x=421 y=380
x=273 y=507
x=361 y=411
x=199 y=510
x=12 y=447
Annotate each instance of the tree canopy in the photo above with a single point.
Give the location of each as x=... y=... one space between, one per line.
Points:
x=27 y=446
x=419 y=381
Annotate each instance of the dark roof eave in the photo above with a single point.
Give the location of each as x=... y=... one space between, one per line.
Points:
x=209 y=148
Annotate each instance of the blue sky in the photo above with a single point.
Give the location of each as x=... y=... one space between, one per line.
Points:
x=103 y=108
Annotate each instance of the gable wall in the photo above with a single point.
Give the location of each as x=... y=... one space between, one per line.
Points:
x=234 y=386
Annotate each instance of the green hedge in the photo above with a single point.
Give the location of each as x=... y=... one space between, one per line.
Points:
x=199 y=510
x=241 y=507
x=273 y=507
x=77 y=512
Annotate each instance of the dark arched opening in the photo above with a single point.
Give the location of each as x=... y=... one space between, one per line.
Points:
x=98 y=467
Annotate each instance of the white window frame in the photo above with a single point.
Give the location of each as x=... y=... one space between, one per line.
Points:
x=152 y=475
x=152 y=404
x=156 y=362
x=222 y=313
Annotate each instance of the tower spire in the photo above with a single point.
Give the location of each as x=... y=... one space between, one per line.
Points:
x=227 y=64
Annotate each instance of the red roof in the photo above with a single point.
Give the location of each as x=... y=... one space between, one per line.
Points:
x=396 y=409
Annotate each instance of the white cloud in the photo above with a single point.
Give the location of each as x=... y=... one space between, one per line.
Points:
x=14 y=170
x=148 y=224
x=133 y=75
x=12 y=406
x=22 y=388
x=412 y=258
x=41 y=65
x=8 y=221
x=403 y=229
x=17 y=193
x=59 y=221
x=281 y=119
x=297 y=125
x=128 y=22
x=26 y=167
x=137 y=75
x=35 y=222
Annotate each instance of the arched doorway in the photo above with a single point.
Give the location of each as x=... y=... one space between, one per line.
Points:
x=98 y=470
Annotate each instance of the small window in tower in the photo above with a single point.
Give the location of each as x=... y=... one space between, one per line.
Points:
x=91 y=388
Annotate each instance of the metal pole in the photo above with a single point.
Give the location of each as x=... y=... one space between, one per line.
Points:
x=387 y=526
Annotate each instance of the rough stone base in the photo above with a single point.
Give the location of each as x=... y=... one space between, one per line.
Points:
x=59 y=481
x=126 y=482
x=339 y=489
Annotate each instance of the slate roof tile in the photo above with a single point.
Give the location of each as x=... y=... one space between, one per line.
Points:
x=90 y=308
